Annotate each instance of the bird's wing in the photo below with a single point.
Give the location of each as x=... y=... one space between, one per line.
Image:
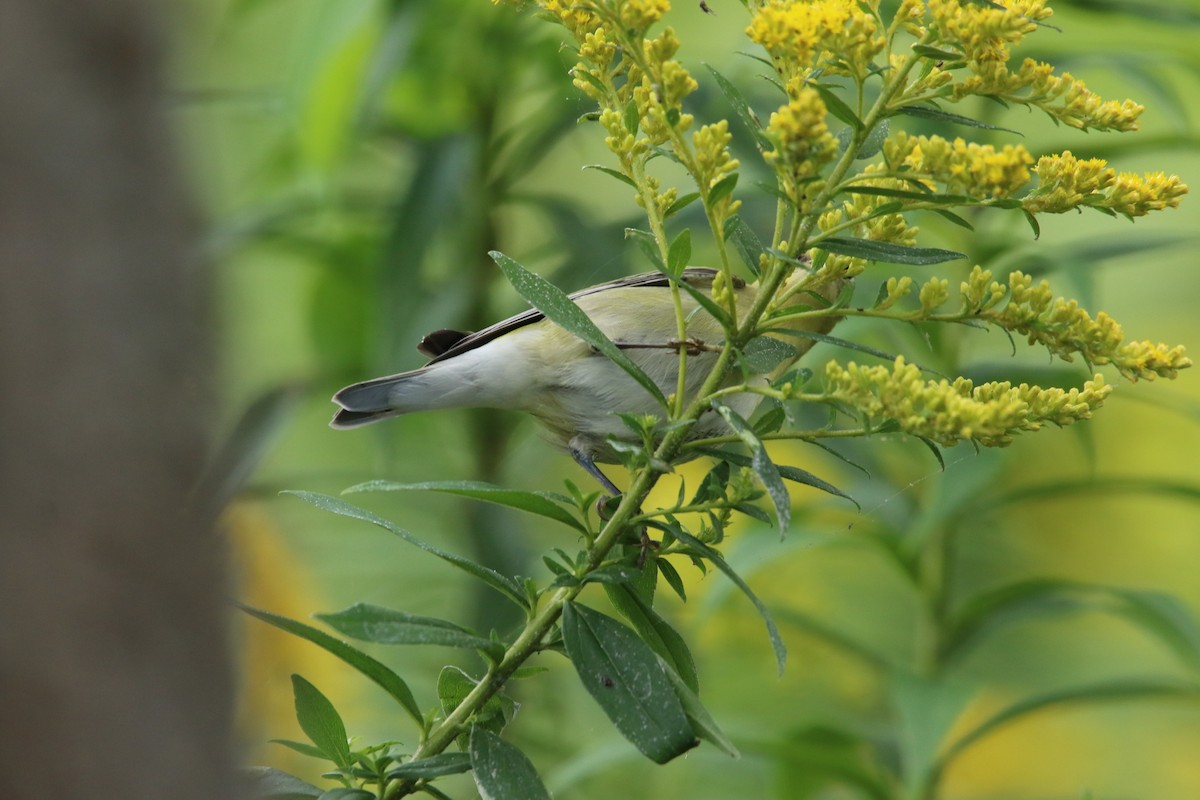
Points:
x=694 y=275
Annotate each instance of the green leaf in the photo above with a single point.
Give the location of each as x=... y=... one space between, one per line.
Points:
x=680 y=253
x=836 y=106
x=320 y=722
x=268 y=783
x=622 y=177
x=887 y=251
x=771 y=421
x=596 y=83
x=344 y=793
x=927 y=709
x=626 y=678
x=937 y=115
x=432 y=767
x=370 y=623
x=672 y=577
x=704 y=301
x=649 y=247
x=655 y=631
x=925 y=51
x=632 y=120
x=906 y=194
x=762 y=354
x=680 y=204
x=722 y=189
x=742 y=109
x=748 y=245
x=702 y=722
x=1158 y=615
x=501 y=583
x=933 y=448
x=954 y=218
x=870 y=146
x=1034 y=225
x=503 y=772
x=787 y=472
x=558 y=308
x=712 y=555
x=303 y=748
x=761 y=463
x=1133 y=689
x=389 y=681
x=539 y=503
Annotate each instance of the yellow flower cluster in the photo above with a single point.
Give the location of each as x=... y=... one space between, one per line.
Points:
x=1063 y=97
x=985 y=31
x=1066 y=182
x=1064 y=329
x=976 y=170
x=804 y=34
x=714 y=163
x=575 y=16
x=1058 y=324
x=801 y=138
x=620 y=139
x=598 y=52
x=641 y=14
x=947 y=413
x=659 y=95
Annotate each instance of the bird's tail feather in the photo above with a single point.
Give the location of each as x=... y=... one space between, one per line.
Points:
x=381 y=398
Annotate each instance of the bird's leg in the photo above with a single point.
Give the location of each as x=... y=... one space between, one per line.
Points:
x=583 y=459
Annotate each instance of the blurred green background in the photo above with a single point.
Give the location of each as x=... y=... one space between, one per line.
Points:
x=356 y=160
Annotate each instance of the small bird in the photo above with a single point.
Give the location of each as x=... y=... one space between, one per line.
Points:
x=528 y=363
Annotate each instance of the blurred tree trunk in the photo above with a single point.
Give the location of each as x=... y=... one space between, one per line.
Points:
x=113 y=673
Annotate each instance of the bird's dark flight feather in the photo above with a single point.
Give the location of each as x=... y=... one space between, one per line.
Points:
x=436 y=343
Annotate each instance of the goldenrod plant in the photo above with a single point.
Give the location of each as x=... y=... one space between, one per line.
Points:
x=849 y=183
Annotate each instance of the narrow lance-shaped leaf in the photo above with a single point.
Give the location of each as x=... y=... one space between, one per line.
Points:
x=762 y=465
x=370 y=623
x=533 y=502
x=623 y=178
x=432 y=767
x=712 y=555
x=748 y=245
x=626 y=678
x=680 y=252
x=345 y=793
x=937 y=115
x=558 y=308
x=320 y=722
x=501 y=583
x=389 y=681
x=502 y=772
x=838 y=108
x=702 y=722
x=886 y=251
x=268 y=783
x=1133 y=689
x=742 y=108
x=655 y=631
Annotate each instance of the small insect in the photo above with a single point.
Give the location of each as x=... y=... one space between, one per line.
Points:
x=607 y=682
x=704 y=7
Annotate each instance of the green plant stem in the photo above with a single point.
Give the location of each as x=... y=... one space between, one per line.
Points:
x=540 y=624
